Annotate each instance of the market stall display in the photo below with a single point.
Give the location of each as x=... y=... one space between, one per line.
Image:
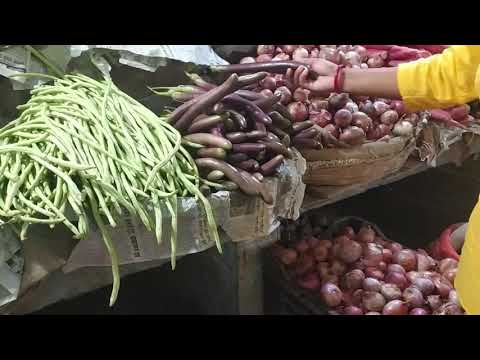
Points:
x=355 y=270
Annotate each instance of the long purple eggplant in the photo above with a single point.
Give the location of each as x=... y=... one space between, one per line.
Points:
x=238 y=118
x=277 y=67
x=305 y=143
x=277 y=148
x=200 y=82
x=248 y=148
x=266 y=104
x=270 y=166
x=207 y=139
x=205 y=123
x=301 y=126
x=255 y=112
x=249 y=165
x=279 y=120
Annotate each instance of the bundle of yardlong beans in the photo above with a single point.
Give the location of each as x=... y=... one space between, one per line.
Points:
x=234 y=133
x=85 y=144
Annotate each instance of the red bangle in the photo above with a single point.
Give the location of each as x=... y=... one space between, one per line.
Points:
x=338 y=79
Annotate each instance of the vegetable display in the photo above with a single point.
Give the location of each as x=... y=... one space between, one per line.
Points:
x=358 y=272
x=85 y=145
x=238 y=134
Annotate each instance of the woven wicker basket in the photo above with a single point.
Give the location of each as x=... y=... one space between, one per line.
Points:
x=368 y=162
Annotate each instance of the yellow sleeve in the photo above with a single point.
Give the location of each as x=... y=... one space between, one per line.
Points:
x=441 y=80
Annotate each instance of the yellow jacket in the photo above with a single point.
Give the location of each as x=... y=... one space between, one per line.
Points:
x=443 y=80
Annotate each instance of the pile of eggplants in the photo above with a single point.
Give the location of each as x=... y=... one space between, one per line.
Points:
x=237 y=136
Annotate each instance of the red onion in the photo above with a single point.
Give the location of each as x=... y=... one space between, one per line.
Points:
x=323 y=269
x=300 y=53
x=304 y=265
x=318 y=104
x=373 y=301
x=373 y=313
x=265 y=49
x=388 y=256
x=351 y=106
x=395 y=268
x=331 y=294
x=343 y=118
x=326 y=243
x=356 y=297
x=398 y=106
x=301 y=94
x=288 y=257
x=332 y=130
x=338 y=268
x=453 y=297
x=442 y=286
x=330 y=278
x=320 y=253
x=352 y=310
x=382 y=266
x=391 y=292
x=289 y=49
x=447 y=264
x=395 y=247
x=413 y=297
x=406 y=258
x=362 y=120
x=309 y=281
x=374 y=134
x=381 y=241
x=361 y=51
x=371 y=284
x=269 y=82
x=348 y=232
x=419 y=311
x=352 y=135
x=380 y=107
x=302 y=246
x=312 y=241
x=434 y=301
x=285 y=93
x=372 y=254
x=360 y=265
x=338 y=101
x=395 y=307
x=425 y=263
x=368 y=108
x=281 y=57
x=266 y=92
x=374 y=273
x=322 y=118
x=298 y=111
x=264 y=58
x=450 y=275
x=247 y=60
x=366 y=234
x=426 y=286
x=349 y=251
x=352 y=58
x=389 y=117
x=448 y=309
x=398 y=279
x=375 y=62
x=353 y=280
x=384 y=129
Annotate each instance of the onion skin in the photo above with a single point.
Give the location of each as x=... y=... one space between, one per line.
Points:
x=301 y=94
x=338 y=101
x=425 y=262
x=302 y=246
x=265 y=49
x=395 y=247
x=389 y=117
x=442 y=286
x=388 y=256
x=353 y=280
x=317 y=104
x=413 y=297
x=366 y=234
x=434 y=301
x=375 y=273
x=353 y=135
x=362 y=120
x=349 y=251
x=371 y=284
x=247 y=60
x=380 y=107
x=285 y=94
x=391 y=292
x=419 y=311
x=453 y=297
x=263 y=58
x=373 y=301
x=372 y=254
x=406 y=258
x=426 y=286
x=396 y=268
x=373 y=313
x=450 y=275
x=395 y=307
x=322 y=118
x=298 y=111
x=398 y=279
x=447 y=264
x=448 y=309
x=331 y=294
x=352 y=310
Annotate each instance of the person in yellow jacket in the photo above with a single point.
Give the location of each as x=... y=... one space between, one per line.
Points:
x=440 y=81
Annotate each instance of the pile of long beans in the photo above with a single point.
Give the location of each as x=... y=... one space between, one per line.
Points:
x=86 y=145
x=236 y=135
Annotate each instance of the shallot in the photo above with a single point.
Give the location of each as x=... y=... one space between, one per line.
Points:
x=389 y=117
x=353 y=279
x=391 y=292
x=366 y=234
x=349 y=251
x=310 y=281
x=265 y=49
x=352 y=135
x=301 y=94
x=371 y=284
x=373 y=301
x=343 y=118
x=285 y=94
x=372 y=254
x=318 y=104
x=395 y=307
x=352 y=310
x=426 y=286
x=298 y=111
x=331 y=294
x=362 y=120
x=447 y=264
x=419 y=311
x=398 y=279
x=406 y=258
x=322 y=118
x=413 y=297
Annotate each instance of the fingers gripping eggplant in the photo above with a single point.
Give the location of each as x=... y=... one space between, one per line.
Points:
x=270 y=166
x=244 y=180
x=277 y=67
x=208 y=99
x=209 y=140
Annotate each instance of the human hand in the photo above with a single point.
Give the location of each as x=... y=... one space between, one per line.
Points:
x=319 y=78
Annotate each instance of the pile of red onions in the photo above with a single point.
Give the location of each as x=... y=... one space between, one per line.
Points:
x=350 y=121
x=358 y=272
